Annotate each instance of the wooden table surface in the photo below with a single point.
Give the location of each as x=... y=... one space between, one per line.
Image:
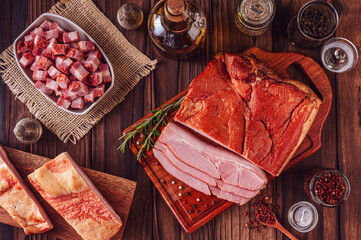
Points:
x=149 y=217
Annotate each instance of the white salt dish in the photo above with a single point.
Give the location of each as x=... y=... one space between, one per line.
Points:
x=70 y=26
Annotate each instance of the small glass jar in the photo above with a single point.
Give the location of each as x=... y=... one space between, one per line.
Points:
x=253 y=17
x=327 y=187
x=303 y=216
x=315 y=22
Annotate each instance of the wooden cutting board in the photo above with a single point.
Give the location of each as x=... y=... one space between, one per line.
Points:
x=118 y=191
x=194 y=209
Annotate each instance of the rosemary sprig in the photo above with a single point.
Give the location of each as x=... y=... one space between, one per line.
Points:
x=149 y=128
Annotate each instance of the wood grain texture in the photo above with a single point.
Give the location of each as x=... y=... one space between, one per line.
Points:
x=150 y=217
x=118 y=191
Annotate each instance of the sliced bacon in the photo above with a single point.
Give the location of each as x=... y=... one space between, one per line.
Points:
x=91 y=63
x=74 y=54
x=43 y=63
x=40 y=75
x=42 y=87
x=51 y=84
x=107 y=78
x=69 y=37
x=26 y=59
x=79 y=71
x=63 y=81
x=50 y=34
x=78 y=103
x=86 y=46
x=62 y=102
x=99 y=91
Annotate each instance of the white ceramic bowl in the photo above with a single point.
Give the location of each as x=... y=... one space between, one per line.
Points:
x=68 y=25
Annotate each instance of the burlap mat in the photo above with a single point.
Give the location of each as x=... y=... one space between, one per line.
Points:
x=129 y=64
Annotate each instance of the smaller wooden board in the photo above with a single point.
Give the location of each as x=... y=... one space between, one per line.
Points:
x=194 y=209
x=118 y=191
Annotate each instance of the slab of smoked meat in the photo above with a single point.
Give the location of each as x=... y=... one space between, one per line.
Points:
x=242 y=105
x=69 y=191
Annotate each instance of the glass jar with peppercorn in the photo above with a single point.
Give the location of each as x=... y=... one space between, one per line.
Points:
x=315 y=22
x=327 y=187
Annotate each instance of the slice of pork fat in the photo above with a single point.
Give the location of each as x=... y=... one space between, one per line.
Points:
x=175 y=134
x=18 y=200
x=63 y=184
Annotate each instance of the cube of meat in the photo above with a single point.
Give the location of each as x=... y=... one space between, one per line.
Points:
x=58 y=92
x=48 y=51
x=21 y=48
x=99 y=91
x=73 y=45
x=26 y=59
x=90 y=96
x=79 y=71
x=69 y=37
x=59 y=60
x=96 y=53
x=55 y=25
x=74 y=54
x=43 y=63
x=63 y=81
x=29 y=41
x=36 y=32
x=79 y=88
x=33 y=68
x=78 y=103
x=51 y=84
x=40 y=75
x=59 y=49
x=63 y=102
x=107 y=78
x=95 y=78
x=91 y=63
x=53 y=72
x=70 y=95
x=45 y=25
x=42 y=87
x=72 y=78
x=50 y=34
x=39 y=41
x=86 y=46
x=65 y=65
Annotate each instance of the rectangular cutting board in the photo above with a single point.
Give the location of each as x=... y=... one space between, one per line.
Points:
x=194 y=209
x=118 y=191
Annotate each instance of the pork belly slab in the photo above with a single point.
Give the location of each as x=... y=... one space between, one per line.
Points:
x=69 y=191
x=206 y=167
x=17 y=199
x=243 y=106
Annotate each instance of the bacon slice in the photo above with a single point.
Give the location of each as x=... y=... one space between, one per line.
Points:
x=86 y=46
x=69 y=37
x=63 y=184
x=17 y=199
x=26 y=59
x=107 y=78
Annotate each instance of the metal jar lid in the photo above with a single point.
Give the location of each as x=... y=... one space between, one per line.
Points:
x=256 y=13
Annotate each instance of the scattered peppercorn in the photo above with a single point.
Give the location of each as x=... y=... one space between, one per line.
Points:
x=265 y=215
x=194 y=206
x=213 y=202
x=197 y=211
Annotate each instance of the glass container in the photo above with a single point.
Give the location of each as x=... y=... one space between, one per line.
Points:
x=130 y=16
x=315 y=22
x=303 y=216
x=253 y=17
x=339 y=55
x=177 y=27
x=327 y=187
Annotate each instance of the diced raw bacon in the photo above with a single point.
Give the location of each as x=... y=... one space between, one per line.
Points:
x=86 y=46
x=78 y=103
x=42 y=87
x=40 y=75
x=48 y=52
x=79 y=88
x=50 y=34
x=59 y=49
x=37 y=51
x=70 y=95
x=96 y=53
x=65 y=65
x=28 y=38
x=58 y=92
x=33 y=68
x=29 y=41
x=92 y=63
x=90 y=96
x=21 y=48
x=26 y=59
x=79 y=71
x=69 y=37
x=63 y=102
x=99 y=91
x=51 y=84
x=74 y=54
x=73 y=45
x=55 y=25
x=43 y=63
x=39 y=41
x=63 y=81
x=59 y=60
x=95 y=78
x=36 y=32
x=107 y=78
x=53 y=72
x=72 y=78
x=45 y=25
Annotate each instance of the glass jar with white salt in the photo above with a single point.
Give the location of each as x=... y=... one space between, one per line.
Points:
x=303 y=216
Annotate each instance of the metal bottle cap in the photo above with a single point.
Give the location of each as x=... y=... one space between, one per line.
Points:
x=130 y=16
x=28 y=130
